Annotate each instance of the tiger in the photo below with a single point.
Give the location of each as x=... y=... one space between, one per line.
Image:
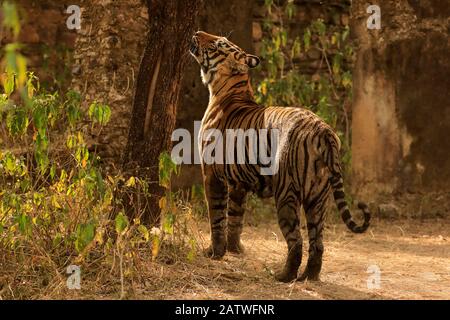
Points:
x=309 y=168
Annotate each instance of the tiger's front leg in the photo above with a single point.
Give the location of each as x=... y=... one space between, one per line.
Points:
x=216 y=193
x=235 y=219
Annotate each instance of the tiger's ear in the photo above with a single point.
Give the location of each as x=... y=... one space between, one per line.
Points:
x=252 y=61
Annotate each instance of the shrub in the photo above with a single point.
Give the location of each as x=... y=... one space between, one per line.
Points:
x=283 y=82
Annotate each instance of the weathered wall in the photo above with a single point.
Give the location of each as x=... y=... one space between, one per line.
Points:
x=48 y=43
x=100 y=60
x=401 y=110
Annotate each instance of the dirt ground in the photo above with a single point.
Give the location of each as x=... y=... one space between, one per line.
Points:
x=413 y=257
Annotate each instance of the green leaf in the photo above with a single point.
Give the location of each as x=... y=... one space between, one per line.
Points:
x=307 y=39
x=40 y=119
x=131 y=182
x=121 y=223
x=9 y=83
x=277 y=41
x=168 y=223
x=345 y=33
x=17 y=121
x=71 y=141
x=166 y=168
x=85 y=235
x=290 y=9
x=24 y=222
x=268 y=4
x=52 y=171
x=283 y=36
x=31 y=87
x=144 y=232
x=21 y=62
x=296 y=48
x=11 y=17
x=319 y=27
x=82 y=156
x=100 y=113
x=73 y=110
x=347 y=79
x=337 y=60
x=10 y=163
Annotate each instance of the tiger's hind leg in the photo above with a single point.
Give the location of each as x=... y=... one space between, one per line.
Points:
x=216 y=196
x=289 y=222
x=315 y=212
x=235 y=219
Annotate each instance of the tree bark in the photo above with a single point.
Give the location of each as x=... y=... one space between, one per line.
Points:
x=171 y=25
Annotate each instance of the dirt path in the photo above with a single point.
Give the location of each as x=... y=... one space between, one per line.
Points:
x=413 y=257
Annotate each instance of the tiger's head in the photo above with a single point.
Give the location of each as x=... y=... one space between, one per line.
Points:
x=218 y=57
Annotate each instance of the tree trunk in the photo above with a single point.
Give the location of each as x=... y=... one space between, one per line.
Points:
x=171 y=26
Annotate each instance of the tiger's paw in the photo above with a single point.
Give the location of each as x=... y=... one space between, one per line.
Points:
x=236 y=248
x=310 y=276
x=215 y=253
x=285 y=276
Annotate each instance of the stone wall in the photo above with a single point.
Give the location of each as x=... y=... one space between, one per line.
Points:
x=100 y=60
x=401 y=109
x=48 y=42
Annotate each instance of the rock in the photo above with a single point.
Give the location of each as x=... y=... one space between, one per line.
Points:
x=76 y=70
x=52 y=16
x=29 y=35
x=257 y=32
x=314 y=54
x=68 y=38
x=257 y=47
x=144 y=13
x=300 y=14
x=35 y=61
x=345 y=19
x=259 y=11
x=388 y=210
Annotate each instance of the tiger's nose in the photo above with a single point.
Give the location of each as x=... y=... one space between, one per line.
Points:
x=203 y=36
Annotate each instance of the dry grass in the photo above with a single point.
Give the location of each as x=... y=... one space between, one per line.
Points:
x=414 y=258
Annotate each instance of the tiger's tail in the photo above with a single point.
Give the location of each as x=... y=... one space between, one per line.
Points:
x=332 y=159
